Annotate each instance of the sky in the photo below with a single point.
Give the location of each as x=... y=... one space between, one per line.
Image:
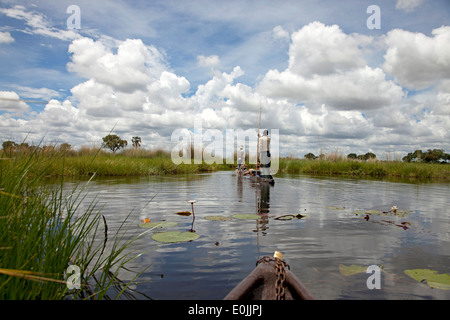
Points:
x=331 y=76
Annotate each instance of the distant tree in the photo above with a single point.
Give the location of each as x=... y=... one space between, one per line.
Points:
x=370 y=155
x=414 y=156
x=48 y=149
x=310 y=156
x=136 y=141
x=446 y=157
x=9 y=145
x=418 y=155
x=24 y=146
x=435 y=155
x=113 y=142
x=408 y=157
x=430 y=156
x=367 y=156
x=65 y=146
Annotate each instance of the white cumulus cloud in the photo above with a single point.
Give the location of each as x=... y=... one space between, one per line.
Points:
x=132 y=67
x=279 y=33
x=212 y=61
x=416 y=60
x=5 y=37
x=328 y=66
x=11 y=102
x=408 y=5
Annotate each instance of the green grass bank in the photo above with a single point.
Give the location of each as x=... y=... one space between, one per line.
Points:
x=86 y=162
x=139 y=162
x=366 y=169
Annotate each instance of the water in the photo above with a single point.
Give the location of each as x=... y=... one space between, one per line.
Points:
x=314 y=246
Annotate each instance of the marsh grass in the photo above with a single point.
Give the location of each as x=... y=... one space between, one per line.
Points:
x=43 y=231
x=372 y=168
x=54 y=162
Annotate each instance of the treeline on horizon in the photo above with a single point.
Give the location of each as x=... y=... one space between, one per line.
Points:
x=429 y=156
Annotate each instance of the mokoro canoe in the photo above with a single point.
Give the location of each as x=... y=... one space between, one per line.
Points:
x=256 y=178
x=260 y=284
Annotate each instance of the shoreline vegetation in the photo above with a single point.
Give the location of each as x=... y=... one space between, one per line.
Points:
x=367 y=169
x=54 y=162
x=50 y=247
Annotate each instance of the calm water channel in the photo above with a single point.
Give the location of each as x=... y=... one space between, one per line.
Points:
x=315 y=246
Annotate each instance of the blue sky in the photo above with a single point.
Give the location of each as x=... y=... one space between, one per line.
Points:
x=147 y=68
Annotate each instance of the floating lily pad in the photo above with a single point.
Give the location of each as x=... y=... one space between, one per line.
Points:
x=402 y=213
x=373 y=212
x=432 y=278
x=217 y=218
x=175 y=236
x=159 y=224
x=243 y=216
x=370 y=212
x=351 y=270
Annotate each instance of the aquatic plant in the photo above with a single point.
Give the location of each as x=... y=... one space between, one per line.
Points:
x=175 y=236
x=193 y=214
x=244 y=216
x=430 y=277
x=217 y=218
x=44 y=234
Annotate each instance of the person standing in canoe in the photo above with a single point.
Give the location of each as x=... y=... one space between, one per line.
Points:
x=264 y=154
x=241 y=158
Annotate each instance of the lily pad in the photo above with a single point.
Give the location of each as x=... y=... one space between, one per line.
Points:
x=368 y=212
x=175 y=236
x=160 y=224
x=432 y=278
x=351 y=270
x=402 y=213
x=217 y=218
x=243 y=216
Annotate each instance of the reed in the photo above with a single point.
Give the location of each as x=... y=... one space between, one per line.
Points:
x=87 y=162
x=338 y=166
x=43 y=231
x=56 y=162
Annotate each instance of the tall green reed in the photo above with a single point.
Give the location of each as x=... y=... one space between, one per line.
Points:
x=363 y=169
x=44 y=230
